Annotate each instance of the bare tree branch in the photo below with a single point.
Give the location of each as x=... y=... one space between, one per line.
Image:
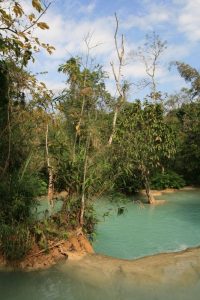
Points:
x=117 y=73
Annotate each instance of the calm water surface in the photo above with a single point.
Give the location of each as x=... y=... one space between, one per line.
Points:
x=140 y=231
x=144 y=229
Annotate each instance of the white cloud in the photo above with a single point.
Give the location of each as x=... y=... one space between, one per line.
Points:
x=189 y=21
x=135 y=70
x=154 y=14
x=67 y=36
x=176 y=52
x=75 y=7
x=88 y=8
x=179 y=18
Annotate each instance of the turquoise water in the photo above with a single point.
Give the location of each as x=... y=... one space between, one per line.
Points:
x=43 y=208
x=144 y=229
x=141 y=230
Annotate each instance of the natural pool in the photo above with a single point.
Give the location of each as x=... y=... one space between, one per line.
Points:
x=140 y=231
x=144 y=229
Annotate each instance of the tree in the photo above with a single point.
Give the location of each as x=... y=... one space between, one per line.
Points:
x=186 y=123
x=185 y=118
x=143 y=140
x=149 y=54
x=83 y=105
x=17 y=45
x=121 y=86
x=176 y=100
x=17 y=40
x=21 y=94
x=190 y=75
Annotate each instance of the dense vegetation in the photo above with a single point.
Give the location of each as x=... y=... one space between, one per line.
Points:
x=83 y=141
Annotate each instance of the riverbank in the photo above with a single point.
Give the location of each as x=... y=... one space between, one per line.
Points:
x=157 y=193
x=167 y=191
x=75 y=247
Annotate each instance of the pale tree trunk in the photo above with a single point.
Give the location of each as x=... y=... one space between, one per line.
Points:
x=150 y=197
x=81 y=219
x=113 y=125
x=50 y=173
x=117 y=73
x=84 y=92
x=145 y=175
x=51 y=187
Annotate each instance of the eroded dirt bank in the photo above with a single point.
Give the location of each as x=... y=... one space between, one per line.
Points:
x=75 y=247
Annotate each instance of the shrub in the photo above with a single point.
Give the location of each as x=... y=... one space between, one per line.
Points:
x=90 y=219
x=16 y=240
x=165 y=180
x=17 y=195
x=128 y=183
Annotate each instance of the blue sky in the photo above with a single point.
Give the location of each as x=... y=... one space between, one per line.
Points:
x=176 y=21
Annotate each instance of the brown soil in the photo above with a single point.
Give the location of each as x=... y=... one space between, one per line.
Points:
x=75 y=247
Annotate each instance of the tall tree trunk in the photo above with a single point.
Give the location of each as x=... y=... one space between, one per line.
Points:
x=81 y=219
x=113 y=125
x=83 y=193
x=150 y=197
x=145 y=175
x=50 y=173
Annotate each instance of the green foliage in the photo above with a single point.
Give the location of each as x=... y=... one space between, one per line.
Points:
x=143 y=142
x=18 y=196
x=15 y=239
x=90 y=219
x=128 y=182
x=186 y=123
x=20 y=183
x=49 y=229
x=165 y=180
x=69 y=216
x=83 y=163
x=191 y=75
x=39 y=185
